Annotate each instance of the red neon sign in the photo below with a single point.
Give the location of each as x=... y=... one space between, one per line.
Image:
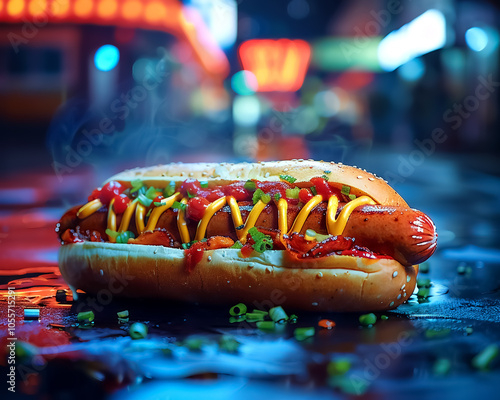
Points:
x=279 y=65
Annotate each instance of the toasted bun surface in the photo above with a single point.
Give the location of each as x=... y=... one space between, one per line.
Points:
x=334 y=283
x=360 y=181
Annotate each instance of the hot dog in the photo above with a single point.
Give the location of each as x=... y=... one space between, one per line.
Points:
x=349 y=239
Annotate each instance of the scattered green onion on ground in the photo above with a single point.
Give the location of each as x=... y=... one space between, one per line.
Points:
x=238 y=309
x=123 y=314
x=368 y=319
x=384 y=317
x=441 y=367
x=436 y=333
x=228 y=344
x=266 y=325
x=85 y=317
x=424 y=267
x=194 y=343
x=138 y=330
x=303 y=333
x=338 y=367
x=278 y=315
x=483 y=360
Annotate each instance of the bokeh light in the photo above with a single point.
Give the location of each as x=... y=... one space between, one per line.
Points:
x=246 y=110
x=106 y=57
x=412 y=71
x=244 y=83
x=476 y=38
x=326 y=103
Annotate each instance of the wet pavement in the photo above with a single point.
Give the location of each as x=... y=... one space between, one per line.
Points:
x=425 y=349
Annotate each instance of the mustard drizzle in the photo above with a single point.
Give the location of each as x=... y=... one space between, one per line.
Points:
x=335 y=226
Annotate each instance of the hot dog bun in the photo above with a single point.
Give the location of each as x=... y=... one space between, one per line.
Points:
x=333 y=283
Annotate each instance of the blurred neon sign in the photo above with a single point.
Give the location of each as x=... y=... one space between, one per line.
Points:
x=163 y=15
x=279 y=65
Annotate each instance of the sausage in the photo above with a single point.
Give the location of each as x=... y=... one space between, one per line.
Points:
x=407 y=235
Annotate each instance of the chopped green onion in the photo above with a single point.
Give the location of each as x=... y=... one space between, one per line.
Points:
x=266 y=325
x=441 y=367
x=384 y=317
x=111 y=234
x=278 y=315
x=236 y=245
x=138 y=330
x=325 y=177
x=229 y=344
x=262 y=242
x=263 y=245
x=250 y=186
x=352 y=197
x=136 y=185
x=257 y=195
x=151 y=193
x=256 y=234
x=293 y=193
x=254 y=317
x=255 y=311
x=368 y=319
x=123 y=237
x=204 y=184
x=194 y=343
x=122 y=314
x=288 y=178
x=158 y=203
x=85 y=316
x=436 y=333
x=303 y=333
x=293 y=319
x=265 y=198
x=313 y=190
x=345 y=190
x=146 y=202
x=483 y=360
x=191 y=195
x=338 y=367
x=237 y=318
x=277 y=196
x=424 y=283
x=179 y=206
x=169 y=189
x=423 y=292
x=238 y=309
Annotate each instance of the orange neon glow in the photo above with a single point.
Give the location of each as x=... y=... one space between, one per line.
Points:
x=83 y=8
x=279 y=65
x=132 y=9
x=15 y=7
x=107 y=8
x=37 y=7
x=155 y=12
x=164 y=15
x=60 y=7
